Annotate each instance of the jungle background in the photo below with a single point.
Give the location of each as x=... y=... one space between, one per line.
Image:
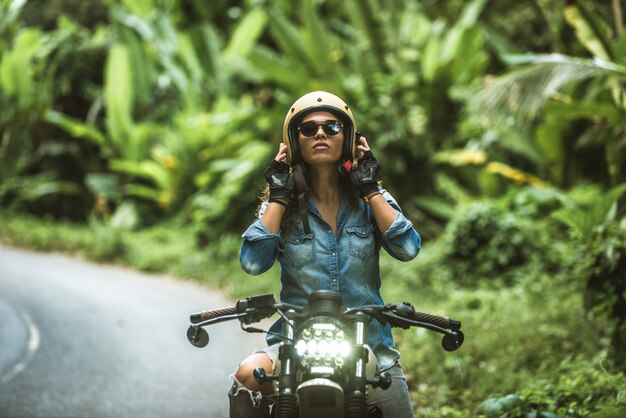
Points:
x=137 y=132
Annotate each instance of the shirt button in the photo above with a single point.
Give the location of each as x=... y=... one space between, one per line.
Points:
x=333 y=253
x=330 y=231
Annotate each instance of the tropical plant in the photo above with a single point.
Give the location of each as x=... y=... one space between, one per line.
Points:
x=37 y=166
x=206 y=148
x=560 y=96
x=596 y=222
x=485 y=243
x=566 y=104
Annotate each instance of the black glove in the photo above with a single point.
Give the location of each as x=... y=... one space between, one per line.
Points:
x=364 y=176
x=280 y=182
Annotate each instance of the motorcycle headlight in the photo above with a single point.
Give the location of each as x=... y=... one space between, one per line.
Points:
x=322 y=347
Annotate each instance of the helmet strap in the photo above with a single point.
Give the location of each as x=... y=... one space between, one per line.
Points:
x=302 y=190
x=304 y=215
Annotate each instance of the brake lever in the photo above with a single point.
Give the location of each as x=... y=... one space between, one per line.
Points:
x=256 y=308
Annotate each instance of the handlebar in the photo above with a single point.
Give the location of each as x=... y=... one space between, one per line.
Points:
x=402 y=315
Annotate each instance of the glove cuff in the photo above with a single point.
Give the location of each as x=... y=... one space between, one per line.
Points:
x=280 y=201
x=369 y=197
x=368 y=189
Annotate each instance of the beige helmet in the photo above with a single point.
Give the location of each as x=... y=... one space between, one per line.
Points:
x=319 y=101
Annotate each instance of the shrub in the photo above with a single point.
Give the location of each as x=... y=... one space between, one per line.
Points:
x=578 y=388
x=485 y=241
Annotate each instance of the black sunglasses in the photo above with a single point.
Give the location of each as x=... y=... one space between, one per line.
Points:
x=330 y=127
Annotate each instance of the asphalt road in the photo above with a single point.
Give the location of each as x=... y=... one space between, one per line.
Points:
x=84 y=340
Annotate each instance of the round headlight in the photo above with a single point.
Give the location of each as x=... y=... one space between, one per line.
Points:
x=322 y=347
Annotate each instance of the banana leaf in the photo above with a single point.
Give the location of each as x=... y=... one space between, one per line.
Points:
x=16 y=78
x=247 y=33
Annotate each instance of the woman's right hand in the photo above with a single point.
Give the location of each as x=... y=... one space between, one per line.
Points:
x=282 y=153
x=279 y=178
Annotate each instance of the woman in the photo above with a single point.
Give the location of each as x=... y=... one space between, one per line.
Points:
x=325 y=219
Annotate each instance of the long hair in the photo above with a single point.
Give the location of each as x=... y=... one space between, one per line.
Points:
x=291 y=217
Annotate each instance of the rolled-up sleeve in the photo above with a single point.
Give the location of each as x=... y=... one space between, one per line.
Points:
x=400 y=240
x=259 y=248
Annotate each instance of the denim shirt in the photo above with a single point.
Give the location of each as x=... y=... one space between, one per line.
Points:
x=347 y=262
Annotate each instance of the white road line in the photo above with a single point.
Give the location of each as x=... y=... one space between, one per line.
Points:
x=33 y=345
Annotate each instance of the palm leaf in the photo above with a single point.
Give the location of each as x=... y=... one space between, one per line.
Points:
x=524 y=91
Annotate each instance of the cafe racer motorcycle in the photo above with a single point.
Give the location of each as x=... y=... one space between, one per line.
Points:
x=323 y=355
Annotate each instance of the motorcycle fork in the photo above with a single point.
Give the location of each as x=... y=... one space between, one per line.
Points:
x=286 y=402
x=355 y=400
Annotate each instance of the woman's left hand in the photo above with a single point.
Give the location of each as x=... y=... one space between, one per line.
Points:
x=364 y=175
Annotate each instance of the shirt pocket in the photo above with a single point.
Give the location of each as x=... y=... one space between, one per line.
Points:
x=299 y=250
x=361 y=241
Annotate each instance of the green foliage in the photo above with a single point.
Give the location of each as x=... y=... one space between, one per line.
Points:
x=407 y=72
x=596 y=223
x=14 y=75
x=576 y=389
x=16 y=86
x=39 y=171
x=531 y=347
x=162 y=160
x=107 y=244
x=605 y=292
x=593 y=216
x=588 y=97
x=487 y=241
x=9 y=12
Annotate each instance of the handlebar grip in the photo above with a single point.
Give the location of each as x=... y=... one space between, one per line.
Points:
x=216 y=313
x=440 y=321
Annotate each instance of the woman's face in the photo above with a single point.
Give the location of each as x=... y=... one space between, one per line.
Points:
x=321 y=148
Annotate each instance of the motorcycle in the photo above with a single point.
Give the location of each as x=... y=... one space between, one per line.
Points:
x=323 y=353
